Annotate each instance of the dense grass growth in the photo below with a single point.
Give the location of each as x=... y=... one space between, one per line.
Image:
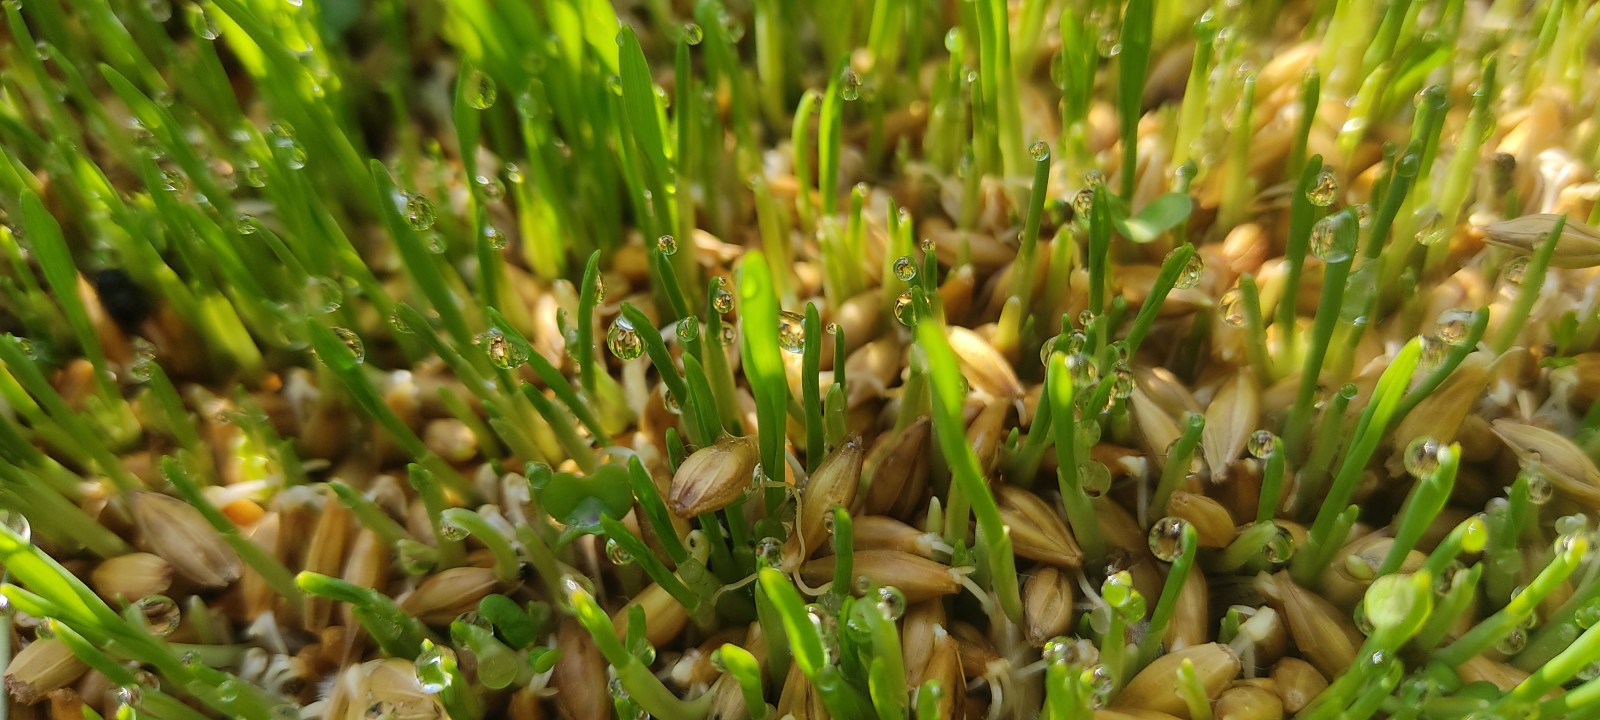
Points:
x=757 y=358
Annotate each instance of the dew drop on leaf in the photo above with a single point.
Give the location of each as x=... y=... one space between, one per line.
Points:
x=1189 y=276
x=905 y=268
x=1422 y=456
x=1166 y=538
x=1231 y=305
x=1324 y=188
x=623 y=341
x=905 y=309
x=791 y=332
x=480 y=91
x=418 y=211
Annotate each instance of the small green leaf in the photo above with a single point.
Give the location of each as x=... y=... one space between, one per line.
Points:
x=1162 y=214
x=580 y=500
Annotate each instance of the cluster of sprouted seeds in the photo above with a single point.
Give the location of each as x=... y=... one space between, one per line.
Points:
x=489 y=359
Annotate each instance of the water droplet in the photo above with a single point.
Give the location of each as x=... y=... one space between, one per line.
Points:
x=418 y=211
x=496 y=239
x=1587 y=616
x=1231 y=305
x=1083 y=369
x=1083 y=203
x=849 y=84
x=399 y=324
x=791 y=332
x=172 y=181
x=1166 y=538
x=1122 y=382
x=17 y=523
x=1040 y=150
x=1328 y=242
x=614 y=84
x=1434 y=352
x=1280 y=549
x=905 y=268
x=1261 y=444
x=769 y=552
x=254 y=174
x=1363 y=215
x=1101 y=684
x=623 y=340
x=158 y=10
x=892 y=602
x=161 y=614
x=688 y=329
x=490 y=187
x=246 y=224
x=454 y=532
x=323 y=295
x=728 y=335
x=833 y=329
x=722 y=301
x=927 y=245
x=130 y=695
x=481 y=91
x=670 y=401
x=1513 y=642
x=1107 y=45
x=286 y=712
x=1515 y=271
x=1324 y=188
x=1431 y=229
x=1540 y=489
x=1455 y=325
x=905 y=309
x=827 y=626
x=1189 y=276
x=1422 y=456
x=693 y=34
x=434 y=666
x=503 y=353
x=616 y=553
x=352 y=342
x=667 y=244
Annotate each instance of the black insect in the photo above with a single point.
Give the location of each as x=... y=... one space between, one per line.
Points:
x=121 y=297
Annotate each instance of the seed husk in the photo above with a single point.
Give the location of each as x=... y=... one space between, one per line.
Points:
x=1214 y=527
x=1234 y=413
x=895 y=474
x=713 y=477
x=132 y=576
x=877 y=532
x=1298 y=683
x=1191 y=617
x=179 y=534
x=1325 y=635
x=918 y=577
x=1156 y=686
x=1037 y=530
x=1248 y=702
x=1559 y=459
x=984 y=366
x=664 y=618
x=1577 y=247
x=579 y=677
x=448 y=593
x=43 y=666
x=1047 y=598
x=834 y=484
